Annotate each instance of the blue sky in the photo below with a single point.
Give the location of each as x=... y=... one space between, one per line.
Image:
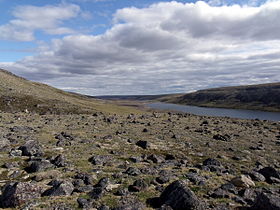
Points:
x=141 y=47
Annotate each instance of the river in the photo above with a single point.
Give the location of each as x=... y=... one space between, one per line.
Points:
x=221 y=112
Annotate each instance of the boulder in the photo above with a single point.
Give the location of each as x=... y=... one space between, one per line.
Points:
x=179 y=196
x=258 y=177
x=269 y=172
x=132 y=171
x=84 y=203
x=100 y=159
x=143 y=144
x=86 y=178
x=59 y=161
x=96 y=193
x=155 y=158
x=211 y=162
x=16 y=194
x=39 y=165
x=63 y=188
x=31 y=148
x=138 y=185
x=265 y=201
x=243 y=181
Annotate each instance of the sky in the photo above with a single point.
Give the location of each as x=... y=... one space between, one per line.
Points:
x=126 y=47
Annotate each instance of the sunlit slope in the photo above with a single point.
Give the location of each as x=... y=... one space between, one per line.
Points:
x=19 y=94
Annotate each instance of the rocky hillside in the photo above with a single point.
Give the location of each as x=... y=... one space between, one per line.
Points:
x=259 y=97
x=19 y=94
x=138 y=161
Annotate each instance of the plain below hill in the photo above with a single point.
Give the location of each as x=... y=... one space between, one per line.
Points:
x=19 y=94
x=264 y=97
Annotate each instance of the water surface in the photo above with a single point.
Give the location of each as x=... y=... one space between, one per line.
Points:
x=220 y=112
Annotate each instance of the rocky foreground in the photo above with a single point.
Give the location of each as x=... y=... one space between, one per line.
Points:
x=138 y=161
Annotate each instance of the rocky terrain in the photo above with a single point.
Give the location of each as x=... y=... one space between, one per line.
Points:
x=138 y=161
x=259 y=97
x=123 y=158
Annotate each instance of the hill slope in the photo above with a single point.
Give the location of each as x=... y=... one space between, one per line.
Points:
x=259 y=97
x=19 y=94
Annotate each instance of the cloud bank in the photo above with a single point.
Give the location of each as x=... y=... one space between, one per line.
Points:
x=29 y=19
x=167 y=47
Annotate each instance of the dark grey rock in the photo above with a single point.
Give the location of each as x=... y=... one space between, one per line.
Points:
x=122 y=192
x=179 y=196
x=132 y=171
x=135 y=159
x=211 y=162
x=87 y=178
x=83 y=189
x=31 y=148
x=220 y=137
x=229 y=187
x=138 y=185
x=100 y=159
x=11 y=165
x=143 y=144
x=64 y=188
x=84 y=203
x=269 y=172
x=220 y=193
x=103 y=207
x=38 y=166
x=128 y=203
x=155 y=158
x=195 y=178
x=103 y=183
x=255 y=176
x=248 y=195
x=59 y=161
x=265 y=201
x=96 y=193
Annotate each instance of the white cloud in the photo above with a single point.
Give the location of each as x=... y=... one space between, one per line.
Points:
x=167 y=47
x=28 y=19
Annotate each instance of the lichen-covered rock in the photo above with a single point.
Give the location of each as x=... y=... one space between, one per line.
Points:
x=64 y=188
x=16 y=194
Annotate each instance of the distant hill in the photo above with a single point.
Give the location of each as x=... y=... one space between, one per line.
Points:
x=259 y=97
x=133 y=97
x=19 y=94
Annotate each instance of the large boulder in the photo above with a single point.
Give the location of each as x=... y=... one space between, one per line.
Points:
x=31 y=148
x=265 y=201
x=16 y=194
x=63 y=188
x=179 y=196
x=269 y=173
x=39 y=166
